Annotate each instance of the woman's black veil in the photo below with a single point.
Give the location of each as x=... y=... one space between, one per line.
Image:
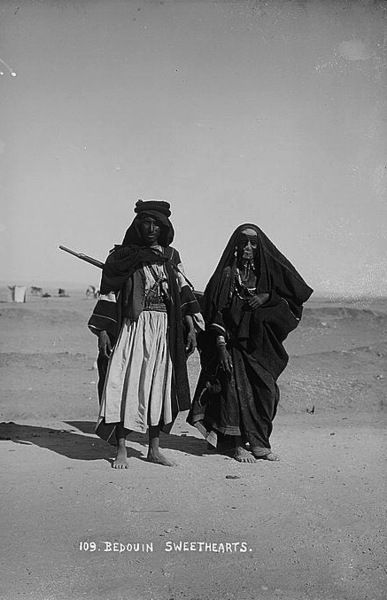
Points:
x=274 y=271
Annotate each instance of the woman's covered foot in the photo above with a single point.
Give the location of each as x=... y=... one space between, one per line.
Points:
x=243 y=455
x=271 y=456
x=156 y=457
x=121 y=460
x=257 y=452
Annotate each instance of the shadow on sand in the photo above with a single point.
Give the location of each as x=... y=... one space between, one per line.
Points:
x=75 y=445
x=185 y=443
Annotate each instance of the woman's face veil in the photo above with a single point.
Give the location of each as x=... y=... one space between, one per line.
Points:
x=247 y=245
x=274 y=272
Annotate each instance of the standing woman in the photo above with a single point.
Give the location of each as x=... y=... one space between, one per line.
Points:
x=251 y=303
x=153 y=319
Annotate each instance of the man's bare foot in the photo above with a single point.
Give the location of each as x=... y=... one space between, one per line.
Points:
x=121 y=460
x=156 y=457
x=243 y=455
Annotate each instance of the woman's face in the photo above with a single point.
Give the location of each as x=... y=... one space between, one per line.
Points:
x=150 y=231
x=247 y=244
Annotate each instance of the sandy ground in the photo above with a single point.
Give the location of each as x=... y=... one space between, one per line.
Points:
x=310 y=527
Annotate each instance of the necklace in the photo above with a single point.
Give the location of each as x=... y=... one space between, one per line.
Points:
x=241 y=289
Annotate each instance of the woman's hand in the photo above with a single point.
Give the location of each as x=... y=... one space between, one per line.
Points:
x=225 y=362
x=104 y=344
x=257 y=300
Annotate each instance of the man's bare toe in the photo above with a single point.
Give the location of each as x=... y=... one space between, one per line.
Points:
x=121 y=462
x=120 y=465
x=243 y=455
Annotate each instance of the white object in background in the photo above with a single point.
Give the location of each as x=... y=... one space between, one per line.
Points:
x=18 y=293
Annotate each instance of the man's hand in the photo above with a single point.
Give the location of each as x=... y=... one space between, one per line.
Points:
x=225 y=362
x=190 y=344
x=104 y=345
x=257 y=300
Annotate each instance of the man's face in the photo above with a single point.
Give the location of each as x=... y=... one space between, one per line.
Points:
x=247 y=244
x=150 y=231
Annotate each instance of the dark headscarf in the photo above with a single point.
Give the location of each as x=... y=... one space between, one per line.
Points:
x=274 y=274
x=132 y=253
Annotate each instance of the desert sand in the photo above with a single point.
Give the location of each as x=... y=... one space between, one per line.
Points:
x=310 y=527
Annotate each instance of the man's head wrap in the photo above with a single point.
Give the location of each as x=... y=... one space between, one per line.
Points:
x=158 y=210
x=159 y=206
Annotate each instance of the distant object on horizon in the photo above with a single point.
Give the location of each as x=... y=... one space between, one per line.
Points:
x=18 y=293
x=36 y=291
x=62 y=293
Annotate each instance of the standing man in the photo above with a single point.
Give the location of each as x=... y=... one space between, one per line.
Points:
x=153 y=319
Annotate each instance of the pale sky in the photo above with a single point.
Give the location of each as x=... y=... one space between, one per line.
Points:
x=269 y=112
